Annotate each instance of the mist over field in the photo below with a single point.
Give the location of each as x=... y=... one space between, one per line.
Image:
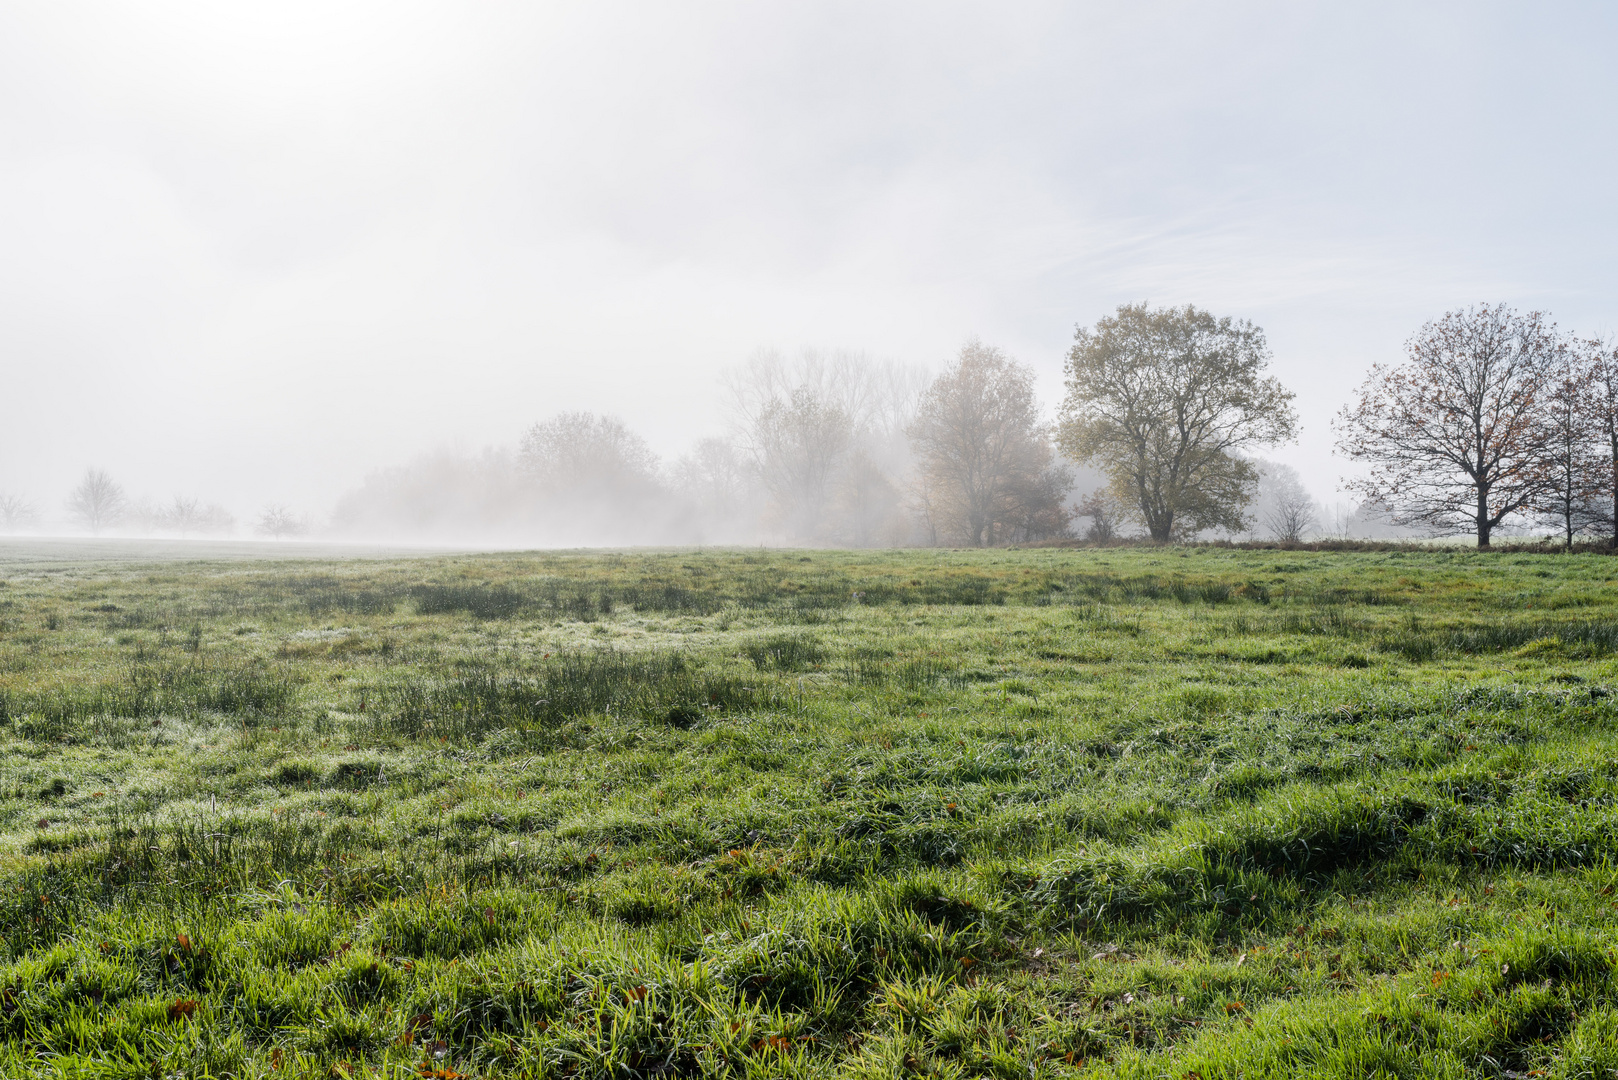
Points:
x=423 y=273
x=808 y=541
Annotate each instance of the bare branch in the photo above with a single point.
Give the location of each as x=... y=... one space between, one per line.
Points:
x=1454 y=437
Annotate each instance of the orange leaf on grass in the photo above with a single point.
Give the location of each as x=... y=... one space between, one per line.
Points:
x=182 y=1008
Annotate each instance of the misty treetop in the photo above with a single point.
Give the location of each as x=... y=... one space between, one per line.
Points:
x=835 y=449
x=830 y=449
x=986 y=472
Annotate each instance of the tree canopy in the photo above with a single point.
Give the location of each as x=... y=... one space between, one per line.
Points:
x=1162 y=400
x=985 y=473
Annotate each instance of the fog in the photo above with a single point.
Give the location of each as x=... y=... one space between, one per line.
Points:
x=346 y=262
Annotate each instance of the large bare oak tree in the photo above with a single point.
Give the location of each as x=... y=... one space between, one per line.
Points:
x=1455 y=437
x=1161 y=400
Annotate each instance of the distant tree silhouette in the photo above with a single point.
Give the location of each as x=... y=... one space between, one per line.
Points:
x=98 y=502
x=824 y=434
x=278 y=520
x=1285 y=505
x=1576 y=464
x=1602 y=358
x=188 y=515
x=984 y=456
x=16 y=512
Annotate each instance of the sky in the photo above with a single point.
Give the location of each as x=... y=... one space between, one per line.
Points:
x=251 y=252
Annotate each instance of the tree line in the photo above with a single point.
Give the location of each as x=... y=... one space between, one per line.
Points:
x=98 y=502
x=1493 y=418
x=1164 y=410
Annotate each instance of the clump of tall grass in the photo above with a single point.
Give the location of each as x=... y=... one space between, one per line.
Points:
x=910 y=673
x=477 y=702
x=1587 y=638
x=786 y=652
x=481 y=601
x=152 y=690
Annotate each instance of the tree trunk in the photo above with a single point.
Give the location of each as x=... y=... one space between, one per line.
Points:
x=1484 y=527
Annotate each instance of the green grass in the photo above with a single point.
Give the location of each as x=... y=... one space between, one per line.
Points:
x=1127 y=812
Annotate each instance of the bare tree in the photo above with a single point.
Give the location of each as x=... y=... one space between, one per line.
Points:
x=1602 y=359
x=1102 y=511
x=825 y=436
x=183 y=515
x=1292 y=518
x=979 y=442
x=1284 y=504
x=1454 y=436
x=279 y=521
x=1161 y=400
x=16 y=512
x=1576 y=462
x=878 y=396
x=98 y=502
x=714 y=476
x=188 y=515
x=800 y=445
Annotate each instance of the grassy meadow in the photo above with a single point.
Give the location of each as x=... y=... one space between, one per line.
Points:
x=1190 y=813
